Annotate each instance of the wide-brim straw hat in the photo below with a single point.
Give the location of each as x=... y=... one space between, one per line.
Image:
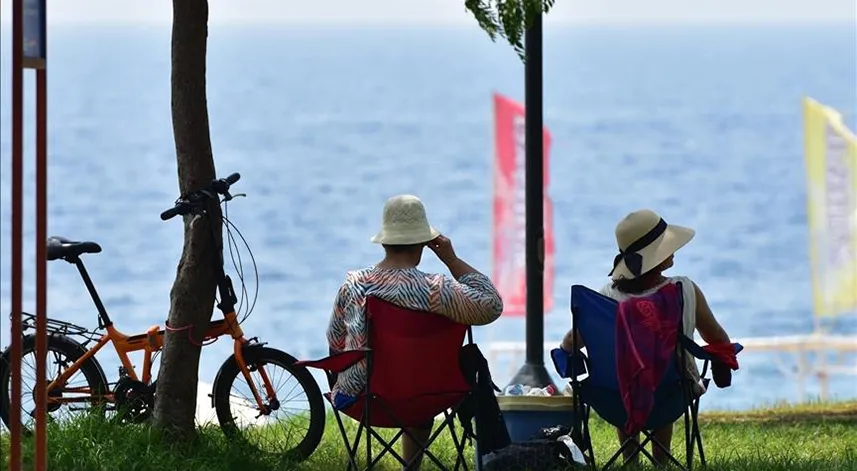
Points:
x=404 y=222
x=645 y=240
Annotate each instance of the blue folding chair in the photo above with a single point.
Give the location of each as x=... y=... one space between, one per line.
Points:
x=594 y=319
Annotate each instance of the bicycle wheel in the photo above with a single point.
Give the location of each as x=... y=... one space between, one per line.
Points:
x=62 y=353
x=293 y=437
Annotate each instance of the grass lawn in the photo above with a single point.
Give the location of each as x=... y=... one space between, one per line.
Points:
x=811 y=437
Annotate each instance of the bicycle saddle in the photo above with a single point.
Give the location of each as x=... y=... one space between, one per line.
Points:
x=60 y=247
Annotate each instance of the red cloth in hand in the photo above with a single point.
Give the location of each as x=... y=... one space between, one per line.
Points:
x=723 y=362
x=646 y=329
x=723 y=353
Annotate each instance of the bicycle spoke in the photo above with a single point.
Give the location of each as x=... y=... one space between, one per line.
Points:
x=58 y=362
x=278 y=430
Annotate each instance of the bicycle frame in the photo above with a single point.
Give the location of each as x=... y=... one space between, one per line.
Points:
x=153 y=340
x=149 y=343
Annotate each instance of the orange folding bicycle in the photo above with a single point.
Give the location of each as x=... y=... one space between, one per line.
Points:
x=132 y=396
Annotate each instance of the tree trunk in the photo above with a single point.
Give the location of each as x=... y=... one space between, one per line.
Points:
x=192 y=294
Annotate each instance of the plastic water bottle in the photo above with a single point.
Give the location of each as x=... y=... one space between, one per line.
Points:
x=513 y=390
x=549 y=390
x=576 y=454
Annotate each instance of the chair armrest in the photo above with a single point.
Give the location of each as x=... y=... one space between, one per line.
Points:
x=568 y=365
x=699 y=351
x=338 y=362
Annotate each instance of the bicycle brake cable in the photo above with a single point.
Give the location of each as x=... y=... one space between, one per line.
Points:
x=250 y=305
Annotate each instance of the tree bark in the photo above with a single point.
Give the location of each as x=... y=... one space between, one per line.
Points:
x=192 y=294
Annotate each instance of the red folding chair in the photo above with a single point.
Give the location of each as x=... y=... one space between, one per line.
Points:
x=413 y=375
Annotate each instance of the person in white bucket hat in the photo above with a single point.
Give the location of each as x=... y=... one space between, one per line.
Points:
x=647 y=245
x=467 y=297
x=404 y=223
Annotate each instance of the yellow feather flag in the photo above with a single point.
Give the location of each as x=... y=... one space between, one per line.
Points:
x=830 y=151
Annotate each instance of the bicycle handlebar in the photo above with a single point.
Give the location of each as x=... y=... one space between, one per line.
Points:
x=171 y=213
x=232 y=179
x=195 y=200
x=221 y=186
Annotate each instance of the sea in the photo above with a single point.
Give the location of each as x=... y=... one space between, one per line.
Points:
x=700 y=123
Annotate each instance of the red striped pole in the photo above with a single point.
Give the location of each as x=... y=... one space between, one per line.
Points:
x=41 y=266
x=17 y=214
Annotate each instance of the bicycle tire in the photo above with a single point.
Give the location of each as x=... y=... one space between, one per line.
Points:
x=73 y=351
x=229 y=371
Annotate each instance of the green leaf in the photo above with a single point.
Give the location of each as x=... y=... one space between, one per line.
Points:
x=508 y=19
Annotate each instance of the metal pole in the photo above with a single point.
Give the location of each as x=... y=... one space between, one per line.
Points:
x=535 y=227
x=41 y=267
x=17 y=212
x=533 y=373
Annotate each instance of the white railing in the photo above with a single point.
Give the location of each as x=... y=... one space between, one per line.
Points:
x=796 y=345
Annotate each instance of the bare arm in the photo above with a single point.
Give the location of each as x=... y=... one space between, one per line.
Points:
x=568 y=341
x=706 y=324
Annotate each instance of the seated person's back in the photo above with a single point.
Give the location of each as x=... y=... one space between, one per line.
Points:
x=467 y=297
x=647 y=245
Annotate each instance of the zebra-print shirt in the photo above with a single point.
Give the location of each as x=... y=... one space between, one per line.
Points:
x=472 y=299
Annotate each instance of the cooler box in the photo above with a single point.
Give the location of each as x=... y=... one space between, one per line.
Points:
x=526 y=415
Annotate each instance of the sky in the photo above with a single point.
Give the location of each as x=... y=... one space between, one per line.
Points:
x=404 y=12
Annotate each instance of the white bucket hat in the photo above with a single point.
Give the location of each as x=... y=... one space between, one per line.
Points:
x=645 y=240
x=404 y=222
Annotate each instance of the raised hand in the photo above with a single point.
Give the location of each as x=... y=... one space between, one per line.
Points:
x=442 y=247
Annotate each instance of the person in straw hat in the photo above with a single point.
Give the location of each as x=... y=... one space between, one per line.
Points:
x=647 y=247
x=467 y=297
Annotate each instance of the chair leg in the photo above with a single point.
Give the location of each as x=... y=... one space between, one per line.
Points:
x=580 y=430
x=479 y=464
x=689 y=448
x=350 y=449
x=670 y=456
x=369 y=433
x=386 y=447
x=642 y=450
x=586 y=439
x=688 y=445
x=693 y=436
x=616 y=456
x=697 y=433
x=688 y=434
x=698 y=448
x=459 y=446
x=425 y=447
x=448 y=423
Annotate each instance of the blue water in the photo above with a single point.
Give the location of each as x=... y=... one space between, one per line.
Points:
x=701 y=124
